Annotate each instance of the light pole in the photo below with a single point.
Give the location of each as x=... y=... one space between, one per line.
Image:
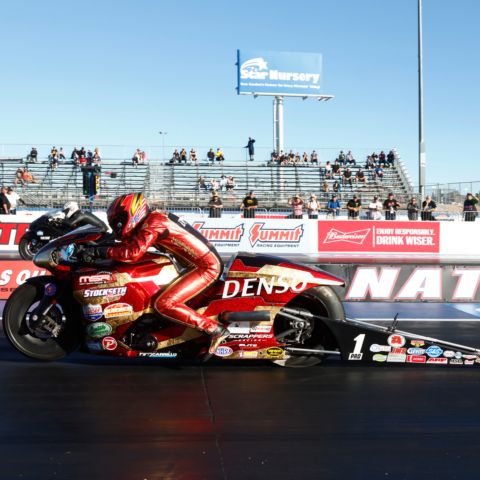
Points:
x=422 y=156
x=163 y=143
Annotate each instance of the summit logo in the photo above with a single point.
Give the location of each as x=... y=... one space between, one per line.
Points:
x=357 y=237
x=259 y=234
x=217 y=234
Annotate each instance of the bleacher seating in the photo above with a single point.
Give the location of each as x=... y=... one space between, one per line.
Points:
x=176 y=185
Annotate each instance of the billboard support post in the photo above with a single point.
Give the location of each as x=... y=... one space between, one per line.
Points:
x=278 y=124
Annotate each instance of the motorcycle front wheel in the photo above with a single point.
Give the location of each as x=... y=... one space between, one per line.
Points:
x=27 y=248
x=60 y=335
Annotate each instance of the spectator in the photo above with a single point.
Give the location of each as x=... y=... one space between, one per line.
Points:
x=53 y=162
x=374 y=209
x=219 y=157
x=201 y=185
x=183 y=156
x=350 y=159
x=137 y=155
x=90 y=157
x=336 y=169
x=251 y=148
x=390 y=158
x=28 y=177
x=314 y=158
x=274 y=157
x=249 y=205
x=214 y=185
x=336 y=186
x=325 y=187
x=82 y=153
x=342 y=158
x=360 y=177
x=97 y=159
x=211 y=156
x=379 y=173
x=230 y=183
x=428 y=207
x=14 y=199
x=193 y=156
x=390 y=205
x=347 y=177
x=312 y=207
x=19 y=176
x=370 y=163
x=354 y=206
x=470 y=207
x=32 y=156
x=328 y=170
x=305 y=158
x=297 y=158
x=53 y=154
x=382 y=158
x=297 y=205
x=215 y=206
x=291 y=157
x=61 y=154
x=4 y=203
x=74 y=155
x=333 y=207
x=412 y=209
x=175 y=157
x=223 y=183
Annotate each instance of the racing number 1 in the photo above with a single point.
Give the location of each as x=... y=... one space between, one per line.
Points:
x=357 y=351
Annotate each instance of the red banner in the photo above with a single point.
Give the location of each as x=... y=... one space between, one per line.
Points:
x=15 y=272
x=388 y=236
x=11 y=233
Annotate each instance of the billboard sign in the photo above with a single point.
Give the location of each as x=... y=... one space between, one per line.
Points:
x=278 y=73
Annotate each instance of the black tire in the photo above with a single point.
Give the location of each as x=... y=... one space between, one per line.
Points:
x=15 y=325
x=321 y=301
x=26 y=249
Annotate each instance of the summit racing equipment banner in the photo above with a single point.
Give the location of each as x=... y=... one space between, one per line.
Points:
x=386 y=237
x=266 y=236
x=282 y=73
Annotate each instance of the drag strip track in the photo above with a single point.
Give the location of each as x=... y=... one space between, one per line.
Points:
x=93 y=418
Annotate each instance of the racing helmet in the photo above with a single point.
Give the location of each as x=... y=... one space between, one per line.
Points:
x=70 y=208
x=126 y=212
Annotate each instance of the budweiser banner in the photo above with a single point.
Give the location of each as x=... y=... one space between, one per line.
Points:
x=385 y=237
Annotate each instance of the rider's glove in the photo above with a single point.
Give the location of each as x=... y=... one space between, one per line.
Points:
x=90 y=254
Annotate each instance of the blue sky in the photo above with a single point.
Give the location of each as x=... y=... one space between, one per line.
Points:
x=117 y=72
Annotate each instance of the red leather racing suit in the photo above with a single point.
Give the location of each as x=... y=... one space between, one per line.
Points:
x=166 y=231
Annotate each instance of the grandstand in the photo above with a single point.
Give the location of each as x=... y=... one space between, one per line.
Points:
x=176 y=185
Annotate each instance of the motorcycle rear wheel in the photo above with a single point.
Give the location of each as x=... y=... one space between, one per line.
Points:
x=322 y=302
x=28 y=341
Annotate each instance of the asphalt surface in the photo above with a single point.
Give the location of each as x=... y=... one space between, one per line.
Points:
x=90 y=417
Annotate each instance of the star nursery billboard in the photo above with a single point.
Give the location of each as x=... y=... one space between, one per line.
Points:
x=278 y=73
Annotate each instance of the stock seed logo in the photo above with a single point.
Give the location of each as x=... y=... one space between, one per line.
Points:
x=233 y=234
x=357 y=237
x=259 y=234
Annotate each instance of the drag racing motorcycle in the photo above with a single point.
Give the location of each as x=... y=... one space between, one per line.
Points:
x=275 y=310
x=47 y=227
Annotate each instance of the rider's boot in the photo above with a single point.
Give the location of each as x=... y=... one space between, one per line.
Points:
x=218 y=336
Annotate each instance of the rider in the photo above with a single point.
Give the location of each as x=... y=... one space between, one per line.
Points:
x=138 y=228
x=74 y=217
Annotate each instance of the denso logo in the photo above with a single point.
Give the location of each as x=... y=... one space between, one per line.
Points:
x=259 y=234
x=256 y=286
x=357 y=236
x=233 y=234
x=93 y=279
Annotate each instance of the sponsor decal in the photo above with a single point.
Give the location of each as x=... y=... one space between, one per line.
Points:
x=438 y=361
x=92 y=312
x=11 y=233
x=355 y=356
x=118 y=310
x=456 y=361
x=220 y=235
x=469 y=362
x=158 y=354
x=102 y=277
x=396 y=340
x=380 y=348
x=468 y=356
x=94 y=346
x=261 y=329
x=399 y=350
x=99 y=330
x=434 y=351
x=417 y=342
x=458 y=354
x=223 y=352
x=449 y=354
x=357 y=237
x=396 y=358
x=14 y=273
x=416 y=351
x=253 y=354
x=249 y=336
x=259 y=234
x=252 y=287
x=105 y=292
x=416 y=359
x=378 y=357
x=109 y=343
x=275 y=352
